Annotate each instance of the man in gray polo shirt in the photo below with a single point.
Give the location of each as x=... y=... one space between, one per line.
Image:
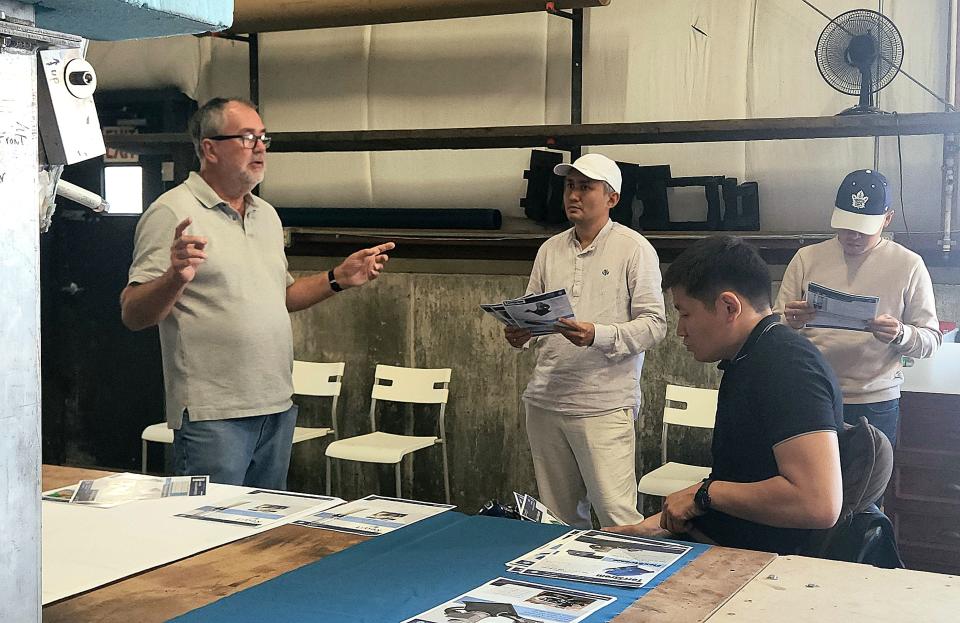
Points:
x=584 y=393
x=209 y=268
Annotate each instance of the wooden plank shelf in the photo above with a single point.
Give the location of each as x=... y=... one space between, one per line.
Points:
x=568 y=136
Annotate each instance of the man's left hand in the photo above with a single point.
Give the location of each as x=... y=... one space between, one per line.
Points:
x=678 y=509
x=885 y=328
x=579 y=333
x=363 y=266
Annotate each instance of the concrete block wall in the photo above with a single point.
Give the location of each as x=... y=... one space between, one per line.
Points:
x=431 y=319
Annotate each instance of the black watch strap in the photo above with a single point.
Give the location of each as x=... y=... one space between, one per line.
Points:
x=702 y=497
x=336 y=287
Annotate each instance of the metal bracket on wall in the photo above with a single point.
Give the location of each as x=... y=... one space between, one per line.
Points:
x=253 y=58
x=16 y=37
x=576 y=71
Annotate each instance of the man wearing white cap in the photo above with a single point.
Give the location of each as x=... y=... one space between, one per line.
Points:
x=860 y=261
x=584 y=394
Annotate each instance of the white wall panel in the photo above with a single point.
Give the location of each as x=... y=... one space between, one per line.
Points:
x=645 y=60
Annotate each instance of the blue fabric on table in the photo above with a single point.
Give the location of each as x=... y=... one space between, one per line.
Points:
x=406 y=572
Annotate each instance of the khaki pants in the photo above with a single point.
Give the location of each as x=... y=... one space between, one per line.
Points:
x=584 y=461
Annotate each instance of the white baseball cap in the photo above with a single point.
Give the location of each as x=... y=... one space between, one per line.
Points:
x=596 y=167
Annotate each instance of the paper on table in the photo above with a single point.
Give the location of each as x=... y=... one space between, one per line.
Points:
x=116 y=489
x=531 y=509
x=840 y=310
x=260 y=508
x=127 y=487
x=601 y=557
x=84 y=548
x=515 y=600
x=373 y=515
x=63 y=494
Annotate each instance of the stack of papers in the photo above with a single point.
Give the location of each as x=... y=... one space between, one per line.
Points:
x=373 y=515
x=503 y=599
x=840 y=310
x=537 y=312
x=600 y=558
x=116 y=489
x=531 y=509
x=261 y=508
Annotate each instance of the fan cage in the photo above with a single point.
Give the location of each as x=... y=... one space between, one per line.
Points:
x=832 y=60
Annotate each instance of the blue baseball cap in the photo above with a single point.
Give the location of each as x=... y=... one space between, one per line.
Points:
x=863 y=200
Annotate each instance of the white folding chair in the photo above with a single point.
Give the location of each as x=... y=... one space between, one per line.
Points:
x=699 y=410
x=396 y=384
x=157 y=433
x=309 y=379
x=317 y=379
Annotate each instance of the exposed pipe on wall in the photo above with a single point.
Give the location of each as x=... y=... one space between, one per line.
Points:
x=278 y=15
x=951 y=142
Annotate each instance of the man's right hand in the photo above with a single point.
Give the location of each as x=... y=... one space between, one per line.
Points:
x=186 y=253
x=517 y=336
x=798 y=313
x=649 y=528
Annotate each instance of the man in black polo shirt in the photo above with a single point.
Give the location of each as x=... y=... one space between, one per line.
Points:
x=776 y=463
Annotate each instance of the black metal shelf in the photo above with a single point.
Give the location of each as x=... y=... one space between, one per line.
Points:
x=775 y=248
x=574 y=135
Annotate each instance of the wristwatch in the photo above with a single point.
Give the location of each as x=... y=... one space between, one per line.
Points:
x=336 y=287
x=702 y=497
x=898 y=338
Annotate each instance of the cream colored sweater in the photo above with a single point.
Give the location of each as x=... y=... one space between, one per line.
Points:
x=868 y=369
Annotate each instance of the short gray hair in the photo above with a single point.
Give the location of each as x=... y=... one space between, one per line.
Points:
x=607 y=188
x=208 y=120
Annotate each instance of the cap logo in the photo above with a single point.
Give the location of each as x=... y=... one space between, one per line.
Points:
x=860 y=200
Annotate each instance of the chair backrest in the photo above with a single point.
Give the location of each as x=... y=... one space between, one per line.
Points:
x=416 y=385
x=312 y=378
x=699 y=406
x=412 y=385
x=317 y=379
x=699 y=409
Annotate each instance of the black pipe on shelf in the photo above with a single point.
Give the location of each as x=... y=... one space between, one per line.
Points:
x=392 y=218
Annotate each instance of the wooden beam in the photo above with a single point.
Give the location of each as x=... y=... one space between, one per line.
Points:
x=561 y=136
x=281 y=15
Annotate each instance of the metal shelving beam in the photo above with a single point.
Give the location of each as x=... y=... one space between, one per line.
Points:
x=559 y=136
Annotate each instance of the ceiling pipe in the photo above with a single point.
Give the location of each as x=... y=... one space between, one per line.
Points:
x=278 y=15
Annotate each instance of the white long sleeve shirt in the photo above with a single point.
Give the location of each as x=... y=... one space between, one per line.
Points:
x=614 y=283
x=868 y=369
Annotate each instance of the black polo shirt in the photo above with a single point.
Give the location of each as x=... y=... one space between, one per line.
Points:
x=778 y=386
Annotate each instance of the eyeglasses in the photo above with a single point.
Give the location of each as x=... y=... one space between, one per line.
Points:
x=249 y=140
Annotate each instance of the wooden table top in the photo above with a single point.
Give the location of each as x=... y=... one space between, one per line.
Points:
x=690 y=595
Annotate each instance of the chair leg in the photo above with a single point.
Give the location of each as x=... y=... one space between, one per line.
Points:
x=397 y=471
x=143 y=457
x=446 y=473
x=328 y=476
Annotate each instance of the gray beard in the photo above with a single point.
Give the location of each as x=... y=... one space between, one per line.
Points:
x=250 y=180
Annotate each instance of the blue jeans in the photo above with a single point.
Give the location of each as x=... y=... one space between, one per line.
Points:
x=884 y=415
x=248 y=451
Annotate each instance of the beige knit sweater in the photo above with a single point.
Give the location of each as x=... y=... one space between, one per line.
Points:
x=868 y=369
